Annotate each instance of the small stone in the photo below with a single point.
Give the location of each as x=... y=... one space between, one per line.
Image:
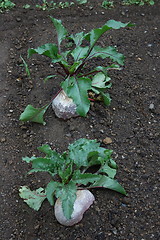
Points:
x=3 y=139
x=107 y=140
x=68 y=135
x=18 y=19
x=151 y=106
x=114 y=230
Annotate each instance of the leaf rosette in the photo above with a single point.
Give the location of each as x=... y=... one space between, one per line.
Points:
x=73 y=171
x=74 y=62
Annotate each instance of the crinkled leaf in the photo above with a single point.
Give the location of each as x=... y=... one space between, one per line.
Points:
x=84 y=178
x=111 y=172
x=43 y=165
x=50 y=191
x=99 y=80
x=107 y=52
x=109 y=183
x=50 y=50
x=67 y=195
x=61 y=31
x=28 y=159
x=46 y=149
x=80 y=149
x=79 y=53
x=76 y=88
x=105 y=155
x=34 y=114
x=34 y=199
x=52 y=163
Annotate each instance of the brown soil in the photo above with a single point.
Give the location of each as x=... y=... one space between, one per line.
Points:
x=131 y=121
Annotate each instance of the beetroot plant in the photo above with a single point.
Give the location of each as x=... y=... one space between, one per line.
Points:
x=78 y=80
x=71 y=176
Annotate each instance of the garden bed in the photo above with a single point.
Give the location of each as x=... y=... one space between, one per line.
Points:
x=130 y=123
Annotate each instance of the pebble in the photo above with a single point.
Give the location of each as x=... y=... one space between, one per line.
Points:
x=151 y=106
x=107 y=140
x=114 y=230
x=3 y=139
x=18 y=19
x=68 y=135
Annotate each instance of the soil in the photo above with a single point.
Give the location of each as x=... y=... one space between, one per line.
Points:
x=131 y=121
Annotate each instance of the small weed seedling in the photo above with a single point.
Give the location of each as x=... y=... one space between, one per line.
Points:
x=6 y=5
x=50 y=5
x=71 y=171
x=107 y=4
x=138 y=2
x=26 y=67
x=26 y=6
x=78 y=79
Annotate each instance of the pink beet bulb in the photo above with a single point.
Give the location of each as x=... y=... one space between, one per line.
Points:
x=83 y=201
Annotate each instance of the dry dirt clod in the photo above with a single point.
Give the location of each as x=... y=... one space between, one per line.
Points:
x=107 y=140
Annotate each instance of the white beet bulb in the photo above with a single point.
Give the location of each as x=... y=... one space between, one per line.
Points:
x=83 y=201
x=63 y=106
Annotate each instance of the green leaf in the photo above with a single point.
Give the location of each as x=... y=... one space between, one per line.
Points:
x=99 y=80
x=48 y=77
x=112 y=164
x=61 y=31
x=74 y=66
x=105 y=155
x=76 y=88
x=28 y=159
x=95 y=34
x=106 y=98
x=108 y=52
x=84 y=178
x=49 y=50
x=26 y=67
x=82 y=1
x=52 y=163
x=34 y=114
x=46 y=149
x=108 y=170
x=79 y=53
x=117 y=25
x=80 y=150
x=50 y=191
x=43 y=165
x=77 y=38
x=34 y=199
x=67 y=195
x=109 y=183
x=65 y=173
